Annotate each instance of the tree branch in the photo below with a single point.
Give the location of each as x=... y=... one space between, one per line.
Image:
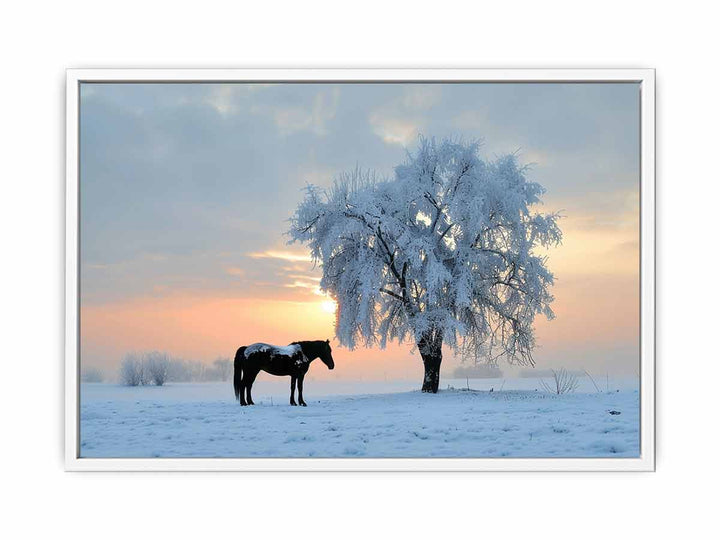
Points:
x=446 y=230
x=394 y=295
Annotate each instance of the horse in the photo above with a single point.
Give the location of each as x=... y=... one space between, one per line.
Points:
x=293 y=360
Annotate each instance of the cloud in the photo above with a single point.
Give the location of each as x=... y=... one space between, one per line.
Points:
x=394 y=130
x=222 y=99
x=475 y=119
x=600 y=235
x=421 y=96
x=283 y=255
x=302 y=276
x=610 y=212
x=305 y=285
x=312 y=117
x=631 y=247
x=316 y=175
x=230 y=99
x=304 y=282
x=534 y=157
x=397 y=121
x=235 y=271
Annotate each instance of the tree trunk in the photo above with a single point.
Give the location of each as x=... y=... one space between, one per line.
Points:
x=431 y=381
x=430 y=347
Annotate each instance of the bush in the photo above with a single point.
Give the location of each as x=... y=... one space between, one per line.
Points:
x=563 y=382
x=155 y=368
x=131 y=370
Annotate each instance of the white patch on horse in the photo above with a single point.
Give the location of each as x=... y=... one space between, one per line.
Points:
x=290 y=350
x=301 y=360
x=256 y=347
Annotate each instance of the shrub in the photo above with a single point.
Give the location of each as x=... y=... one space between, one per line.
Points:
x=562 y=382
x=156 y=367
x=131 y=370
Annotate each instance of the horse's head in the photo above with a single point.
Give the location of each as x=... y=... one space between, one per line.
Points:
x=326 y=354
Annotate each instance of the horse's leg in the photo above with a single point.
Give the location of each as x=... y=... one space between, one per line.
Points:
x=237 y=375
x=242 y=395
x=292 y=389
x=243 y=378
x=248 y=384
x=301 y=401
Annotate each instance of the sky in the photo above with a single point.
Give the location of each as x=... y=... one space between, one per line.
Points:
x=186 y=189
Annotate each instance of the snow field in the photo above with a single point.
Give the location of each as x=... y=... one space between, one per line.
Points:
x=203 y=420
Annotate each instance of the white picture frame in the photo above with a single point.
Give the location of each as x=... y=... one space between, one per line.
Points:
x=646 y=461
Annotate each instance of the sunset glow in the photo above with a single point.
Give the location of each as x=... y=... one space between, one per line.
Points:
x=328 y=306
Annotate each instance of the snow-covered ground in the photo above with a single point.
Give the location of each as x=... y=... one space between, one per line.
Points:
x=360 y=420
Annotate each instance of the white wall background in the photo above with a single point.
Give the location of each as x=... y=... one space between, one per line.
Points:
x=38 y=42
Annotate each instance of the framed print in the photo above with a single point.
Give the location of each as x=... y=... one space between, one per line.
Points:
x=381 y=269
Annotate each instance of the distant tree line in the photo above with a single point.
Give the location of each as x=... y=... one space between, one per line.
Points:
x=157 y=368
x=539 y=373
x=194 y=371
x=91 y=375
x=477 y=371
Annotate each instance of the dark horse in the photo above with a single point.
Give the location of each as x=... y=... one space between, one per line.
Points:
x=293 y=360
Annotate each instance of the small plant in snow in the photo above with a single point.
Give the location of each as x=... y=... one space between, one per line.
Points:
x=593 y=381
x=562 y=382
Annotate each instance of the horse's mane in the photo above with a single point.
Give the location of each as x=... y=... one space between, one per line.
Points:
x=314 y=346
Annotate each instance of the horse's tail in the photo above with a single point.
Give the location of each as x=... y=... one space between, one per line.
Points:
x=237 y=378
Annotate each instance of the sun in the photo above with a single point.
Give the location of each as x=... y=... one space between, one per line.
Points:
x=328 y=306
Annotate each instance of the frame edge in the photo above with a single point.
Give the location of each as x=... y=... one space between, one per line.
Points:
x=646 y=461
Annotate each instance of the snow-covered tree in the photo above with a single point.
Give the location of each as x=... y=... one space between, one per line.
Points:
x=131 y=370
x=446 y=252
x=156 y=367
x=138 y=369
